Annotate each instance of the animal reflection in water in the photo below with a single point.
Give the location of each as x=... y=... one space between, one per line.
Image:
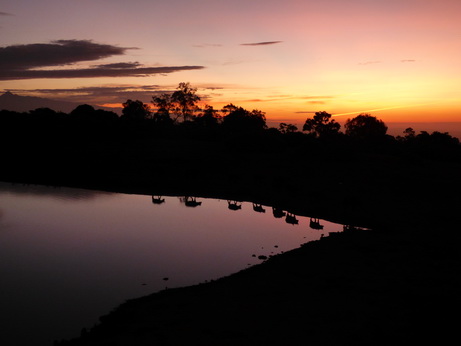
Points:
x=315 y=224
x=234 y=205
x=291 y=219
x=278 y=213
x=258 y=208
x=190 y=201
x=158 y=200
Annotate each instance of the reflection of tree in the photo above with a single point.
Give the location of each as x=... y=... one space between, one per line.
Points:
x=278 y=213
x=315 y=224
x=258 y=208
x=234 y=205
x=158 y=200
x=291 y=219
x=190 y=201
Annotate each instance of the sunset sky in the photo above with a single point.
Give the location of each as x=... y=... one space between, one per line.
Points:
x=399 y=60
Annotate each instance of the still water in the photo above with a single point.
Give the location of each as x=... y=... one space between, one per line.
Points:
x=68 y=256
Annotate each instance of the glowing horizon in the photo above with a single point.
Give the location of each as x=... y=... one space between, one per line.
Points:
x=399 y=60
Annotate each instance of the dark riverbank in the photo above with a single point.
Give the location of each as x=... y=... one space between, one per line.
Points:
x=354 y=289
x=375 y=187
x=397 y=284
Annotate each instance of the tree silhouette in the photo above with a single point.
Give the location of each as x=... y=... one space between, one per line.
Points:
x=135 y=110
x=409 y=133
x=239 y=119
x=83 y=112
x=321 y=125
x=287 y=128
x=164 y=107
x=43 y=113
x=209 y=118
x=365 y=126
x=103 y=115
x=185 y=100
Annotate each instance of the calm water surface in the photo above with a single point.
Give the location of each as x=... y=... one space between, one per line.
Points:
x=68 y=256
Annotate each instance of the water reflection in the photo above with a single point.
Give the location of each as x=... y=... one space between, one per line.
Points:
x=190 y=201
x=65 y=264
x=291 y=219
x=278 y=213
x=158 y=200
x=57 y=192
x=234 y=205
x=258 y=208
x=315 y=224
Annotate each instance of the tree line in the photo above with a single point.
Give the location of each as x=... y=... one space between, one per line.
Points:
x=178 y=115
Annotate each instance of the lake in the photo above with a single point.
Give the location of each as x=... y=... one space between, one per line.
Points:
x=68 y=256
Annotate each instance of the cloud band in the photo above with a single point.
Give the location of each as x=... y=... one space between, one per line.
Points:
x=22 y=61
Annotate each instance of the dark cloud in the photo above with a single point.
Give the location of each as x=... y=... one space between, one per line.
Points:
x=120 y=65
x=5 y=14
x=62 y=52
x=305 y=112
x=21 y=61
x=93 y=72
x=261 y=43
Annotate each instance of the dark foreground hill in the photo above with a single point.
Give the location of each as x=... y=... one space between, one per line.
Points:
x=396 y=284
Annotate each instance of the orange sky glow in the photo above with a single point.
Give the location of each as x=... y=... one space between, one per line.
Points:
x=399 y=60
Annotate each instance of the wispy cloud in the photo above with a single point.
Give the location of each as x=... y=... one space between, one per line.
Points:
x=261 y=43
x=22 y=61
x=6 y=14
x=116 y=93
x=99 y=94
x=384 y=109
x=93 y=72
x=236 y=62
x=315 y=97
x=311 y=99
x=371 y=62
x=205 y=45
x=407 y=60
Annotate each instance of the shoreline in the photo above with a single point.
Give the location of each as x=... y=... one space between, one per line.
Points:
x=351 y=270
x=355 y=295
x=397 y=284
